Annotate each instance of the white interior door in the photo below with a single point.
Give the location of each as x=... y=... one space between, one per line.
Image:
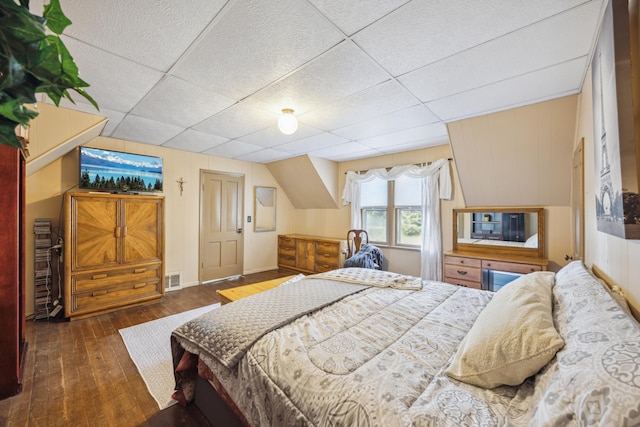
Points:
x=221 y=219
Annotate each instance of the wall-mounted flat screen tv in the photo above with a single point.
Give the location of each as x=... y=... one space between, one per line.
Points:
x=115 y=171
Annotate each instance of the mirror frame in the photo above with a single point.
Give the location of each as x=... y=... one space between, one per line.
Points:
x=497 y=249
x=258 y=215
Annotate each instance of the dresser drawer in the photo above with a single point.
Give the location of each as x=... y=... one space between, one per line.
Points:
x=287 y=255
x=286 y=242
x=513 y=267
x=458 y=260
x=322 y=267
x=465 y=283
x=89 y=282
x=115 y=296
x=461 y=272
x=327 y=249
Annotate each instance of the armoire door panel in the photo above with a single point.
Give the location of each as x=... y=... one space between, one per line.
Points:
x=95 y=239
x=142 y=241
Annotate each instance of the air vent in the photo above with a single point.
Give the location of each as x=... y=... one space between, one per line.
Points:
x=172 y=282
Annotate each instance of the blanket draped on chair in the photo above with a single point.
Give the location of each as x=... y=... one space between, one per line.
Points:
x=369 y=256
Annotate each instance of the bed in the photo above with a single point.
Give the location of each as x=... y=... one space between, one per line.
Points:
x=373 y=348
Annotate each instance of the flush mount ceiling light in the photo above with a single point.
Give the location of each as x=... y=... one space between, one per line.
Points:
x=287 y=123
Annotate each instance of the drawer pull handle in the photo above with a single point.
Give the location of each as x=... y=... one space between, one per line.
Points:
x=98 y=293
x=99 y=276
x=488 y=264
x=462 y=272
x=139 y=270
x=139 y=285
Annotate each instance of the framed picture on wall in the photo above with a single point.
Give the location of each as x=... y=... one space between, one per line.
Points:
x=615 y=133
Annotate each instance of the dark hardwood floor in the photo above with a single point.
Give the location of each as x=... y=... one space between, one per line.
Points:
x=80 y=373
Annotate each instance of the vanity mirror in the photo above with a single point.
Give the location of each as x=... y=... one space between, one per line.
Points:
x=515 y=231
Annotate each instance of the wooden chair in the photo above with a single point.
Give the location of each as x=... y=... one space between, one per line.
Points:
x=355 y=238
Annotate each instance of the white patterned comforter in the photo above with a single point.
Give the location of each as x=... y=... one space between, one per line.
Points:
x=376 y=358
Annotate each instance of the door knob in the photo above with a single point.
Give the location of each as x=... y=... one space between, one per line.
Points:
x=239 y=230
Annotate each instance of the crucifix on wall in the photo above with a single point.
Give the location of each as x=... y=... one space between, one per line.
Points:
x=181 y=183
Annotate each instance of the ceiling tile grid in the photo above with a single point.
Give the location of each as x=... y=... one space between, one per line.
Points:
x=364 y=78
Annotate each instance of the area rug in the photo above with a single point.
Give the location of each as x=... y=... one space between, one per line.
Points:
x=149 y=345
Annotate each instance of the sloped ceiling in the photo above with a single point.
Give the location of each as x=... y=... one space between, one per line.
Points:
x=365 y=78
x=520 y=157
x=310 y=183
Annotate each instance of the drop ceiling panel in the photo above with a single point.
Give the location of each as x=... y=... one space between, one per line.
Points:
x=115 y=83
x=150 y=33
x=192 y=140
x=414 y=145
x=345 y=151
x=352 y=16
x=139 y=129
x=255 y=44
x=312 y=143
x=266 y=155
x=366 y=105
x=180 y=103
x=402 y=119
x=537 y=46
x=432 y=31
x=272 y=136
x=233 y=149
x=565 y=78
x=238 y=120
x=408 y=135
x=338 y=73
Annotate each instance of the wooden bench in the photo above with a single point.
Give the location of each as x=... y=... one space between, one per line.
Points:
x=239 y=292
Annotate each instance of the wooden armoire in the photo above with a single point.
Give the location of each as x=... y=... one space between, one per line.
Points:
x=13 y=345
x=113 y=252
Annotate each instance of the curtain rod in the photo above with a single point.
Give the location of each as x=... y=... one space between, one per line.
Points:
x=388 y=168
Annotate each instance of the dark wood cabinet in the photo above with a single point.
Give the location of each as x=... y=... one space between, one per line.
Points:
x=12 y=279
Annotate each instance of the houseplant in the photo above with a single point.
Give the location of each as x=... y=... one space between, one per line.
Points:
x=33 y=60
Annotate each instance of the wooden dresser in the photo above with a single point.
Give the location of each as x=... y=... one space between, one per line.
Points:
x=12 y=280
x=113 y=252
x=464 y=268
x=309 y=254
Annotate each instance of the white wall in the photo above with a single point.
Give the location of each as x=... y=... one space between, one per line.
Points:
x=45 y=189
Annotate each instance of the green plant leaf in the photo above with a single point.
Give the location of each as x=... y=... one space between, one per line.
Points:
x=87 y=97
x=33 y=62
x=8 y=135
x=56 y=20
x=20 y=25
x=14 y=110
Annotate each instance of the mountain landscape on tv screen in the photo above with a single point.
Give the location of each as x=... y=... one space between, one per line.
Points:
x=116 y=171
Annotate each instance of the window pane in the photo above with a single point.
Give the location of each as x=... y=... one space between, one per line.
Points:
x=408 y=191
x=374 y=193
x=375 y=222
x=409 y=226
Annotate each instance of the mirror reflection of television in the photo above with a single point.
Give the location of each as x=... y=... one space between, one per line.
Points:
x=115 y=171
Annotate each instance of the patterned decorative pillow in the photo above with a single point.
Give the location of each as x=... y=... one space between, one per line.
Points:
x=595 y=378
x=513 y=338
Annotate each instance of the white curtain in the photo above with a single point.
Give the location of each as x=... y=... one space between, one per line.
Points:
x=436 y=185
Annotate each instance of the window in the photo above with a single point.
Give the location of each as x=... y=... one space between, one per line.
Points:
x=392 y=211
x=408 y=211
x=374 y=200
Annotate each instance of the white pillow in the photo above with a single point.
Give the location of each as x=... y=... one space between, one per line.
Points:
x=513 y=337
x=532 y=242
